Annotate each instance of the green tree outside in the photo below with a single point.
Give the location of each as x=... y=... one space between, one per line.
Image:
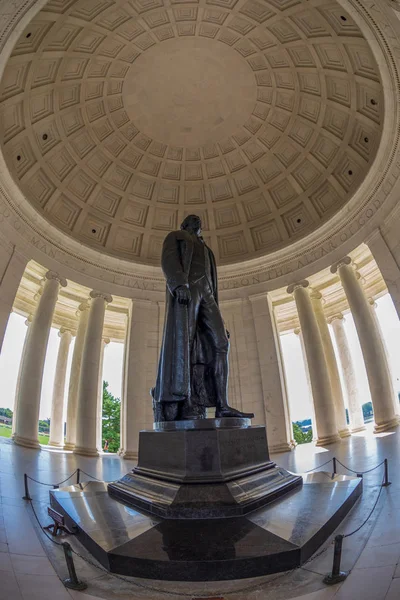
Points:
x=6 y=412
x=111 y=419
x=300 y=436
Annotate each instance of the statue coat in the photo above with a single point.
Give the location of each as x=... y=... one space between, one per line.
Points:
x=174 y=367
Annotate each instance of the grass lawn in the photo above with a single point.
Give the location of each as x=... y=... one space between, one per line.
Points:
x=6 y=430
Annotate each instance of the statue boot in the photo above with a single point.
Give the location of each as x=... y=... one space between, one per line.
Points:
x=223 y=409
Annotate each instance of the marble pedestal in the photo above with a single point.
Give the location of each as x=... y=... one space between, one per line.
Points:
x=204 y=469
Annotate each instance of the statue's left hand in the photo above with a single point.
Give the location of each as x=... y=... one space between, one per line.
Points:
x=182 y=294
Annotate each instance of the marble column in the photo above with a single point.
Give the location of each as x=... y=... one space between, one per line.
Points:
x=276 y=405
x=324 y=406
x=105 y=342
x=353 y=400
x=28 y=323
x=387 y=265
x=88 y=392
x=12 y=267
x=316 y=298
x=297 y=331
x=134 y=397
x=57 y=406
x=372 y=347
x=374 y=306
x=30 y=385
x=70 y=439
x=122 y=441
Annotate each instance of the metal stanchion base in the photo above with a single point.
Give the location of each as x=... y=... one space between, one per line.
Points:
x=332 y=579
x=74 y=585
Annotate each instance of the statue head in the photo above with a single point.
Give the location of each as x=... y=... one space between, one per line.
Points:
x=192 y=223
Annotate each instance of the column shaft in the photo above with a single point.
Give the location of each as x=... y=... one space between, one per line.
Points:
x=350 y=383
x=307 y=370
x=134 y=393
x=57 y=406
x=372 y=348
x=276 y=405
x=30 y=385
x=86 y=430
x=330 y=358
x=122 y=425
x=12 y=267
x=319 y=375
x=28 y=323
x=373 y=305
x=72 y=404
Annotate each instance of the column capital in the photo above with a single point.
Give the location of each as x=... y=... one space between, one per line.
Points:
x=299 y=284
x=336 y=317
x=83 y=306
x=63 y=330
x=53 y=275
x=28 y=320
x=316 y=295
x=346 y=260
x=106 y=297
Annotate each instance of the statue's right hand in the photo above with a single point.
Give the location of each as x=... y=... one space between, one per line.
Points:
x=182 y=294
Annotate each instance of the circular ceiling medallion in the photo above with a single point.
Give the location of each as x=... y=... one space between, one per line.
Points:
x=118 y=118
x=189 y=92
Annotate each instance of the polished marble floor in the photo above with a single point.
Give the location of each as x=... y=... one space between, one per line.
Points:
x=30 y=566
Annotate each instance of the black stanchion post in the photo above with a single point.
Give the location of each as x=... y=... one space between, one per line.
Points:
x=27 y=496
x=337 y=575
x=334 y=465
x=386 y=482
x=78 y=476
x=72 y=582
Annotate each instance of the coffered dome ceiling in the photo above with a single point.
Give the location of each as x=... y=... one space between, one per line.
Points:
x=118 y=118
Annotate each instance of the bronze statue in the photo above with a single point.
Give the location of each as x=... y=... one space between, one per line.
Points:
x=193 y=365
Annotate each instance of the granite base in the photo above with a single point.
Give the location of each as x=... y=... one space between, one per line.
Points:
x=278 y=537
x=210 y=468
